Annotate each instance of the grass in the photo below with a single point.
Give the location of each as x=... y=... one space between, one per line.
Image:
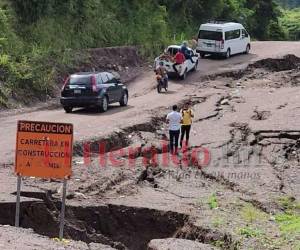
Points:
x=289 y=224
x=266 y=241
x=3 y=98
x=289 y=221
x=219 y=243
x=250 y=232
x=63 y=240
x=218 y=221
x=251 y=214
x=213 y=201
x=289 y=203
x=3 y=102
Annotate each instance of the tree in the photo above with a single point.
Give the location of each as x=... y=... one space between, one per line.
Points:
x=30 y=11
x=265 y=13
x=289 y=3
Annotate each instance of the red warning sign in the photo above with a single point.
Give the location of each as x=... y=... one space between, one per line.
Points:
x=44 y=149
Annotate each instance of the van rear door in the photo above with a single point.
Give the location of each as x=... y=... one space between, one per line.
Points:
x=210 y=41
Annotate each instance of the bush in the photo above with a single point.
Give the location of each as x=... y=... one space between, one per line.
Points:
x=291 y=24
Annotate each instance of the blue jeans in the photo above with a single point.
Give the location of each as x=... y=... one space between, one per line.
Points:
x=174 y=138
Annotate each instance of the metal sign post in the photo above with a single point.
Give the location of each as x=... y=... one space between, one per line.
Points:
x=54 y=161
x=17 y=218
x=62 y=212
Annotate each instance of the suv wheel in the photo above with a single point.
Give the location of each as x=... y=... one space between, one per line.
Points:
x=195 y=67
x=124 y=99
x=184 y=75
x=68 y=109
x=104 y=104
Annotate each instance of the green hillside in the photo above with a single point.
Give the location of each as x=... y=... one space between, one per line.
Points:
x=37 y=37
x=289 y=3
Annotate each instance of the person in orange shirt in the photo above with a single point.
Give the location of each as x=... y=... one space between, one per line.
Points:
x=187 y=119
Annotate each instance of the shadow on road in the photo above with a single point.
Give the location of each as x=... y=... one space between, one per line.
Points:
x=113 y=109
x=170 y=92
x=235 y=56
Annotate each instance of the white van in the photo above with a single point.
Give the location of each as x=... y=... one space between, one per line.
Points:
x=224 y=39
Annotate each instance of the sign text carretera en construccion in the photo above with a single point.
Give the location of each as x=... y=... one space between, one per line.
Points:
x=44 y=149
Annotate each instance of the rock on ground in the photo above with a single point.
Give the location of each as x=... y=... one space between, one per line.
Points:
x=12 y=238
x=97 y=246
x=177 y=244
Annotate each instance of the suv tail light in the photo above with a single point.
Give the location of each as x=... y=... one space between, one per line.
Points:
x=65 y=83
x=94 y=85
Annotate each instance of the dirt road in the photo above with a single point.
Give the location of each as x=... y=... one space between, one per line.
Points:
x=143 y=99
x=248 y=119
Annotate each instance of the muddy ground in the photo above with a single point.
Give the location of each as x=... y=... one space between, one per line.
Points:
x=236 y=187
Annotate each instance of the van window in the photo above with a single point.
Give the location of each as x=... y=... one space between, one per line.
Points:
x=245 y=33
x=233 y=34
x=210 y=35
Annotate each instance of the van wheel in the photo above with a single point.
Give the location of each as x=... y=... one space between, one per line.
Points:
x=202 y=54
x=247 y=49
x=228 y=54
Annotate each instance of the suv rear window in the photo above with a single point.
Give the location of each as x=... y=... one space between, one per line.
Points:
x=80 y=80
x=210 y=35
x=172 y=51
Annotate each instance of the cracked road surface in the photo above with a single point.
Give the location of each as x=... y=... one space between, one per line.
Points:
x=144 y=98
x=249 y=121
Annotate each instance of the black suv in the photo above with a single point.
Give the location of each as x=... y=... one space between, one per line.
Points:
x=93 y=89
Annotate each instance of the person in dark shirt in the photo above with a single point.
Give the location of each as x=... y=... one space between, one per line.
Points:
x=185 y=51
x=162 y=71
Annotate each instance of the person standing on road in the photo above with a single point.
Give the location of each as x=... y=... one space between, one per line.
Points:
x=187 y=116
x=179 y=59
x=174 y=119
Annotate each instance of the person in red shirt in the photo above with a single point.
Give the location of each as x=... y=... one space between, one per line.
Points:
x=179 y=58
